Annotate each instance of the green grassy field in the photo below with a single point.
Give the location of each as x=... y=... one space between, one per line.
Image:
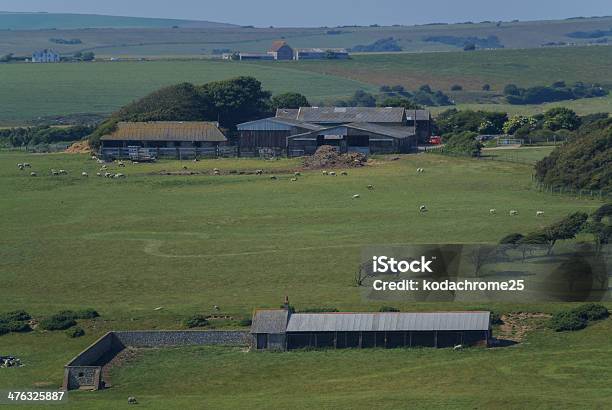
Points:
x=103 y=87
x=186 y=243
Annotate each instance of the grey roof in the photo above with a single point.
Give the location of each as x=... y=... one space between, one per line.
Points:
x=288 y=113
x=270 y=321
x=323 y=115
x=387 y=321
x=282 y=120
x=395 y=132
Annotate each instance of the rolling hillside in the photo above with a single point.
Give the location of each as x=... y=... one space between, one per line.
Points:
x=46 y=21
x=134 y=37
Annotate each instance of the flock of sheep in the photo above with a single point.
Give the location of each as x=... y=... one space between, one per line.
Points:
x=104 y=173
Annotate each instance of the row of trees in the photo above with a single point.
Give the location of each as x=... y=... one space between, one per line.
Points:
x=598 y=225
x=558 y=91
x=26 y=136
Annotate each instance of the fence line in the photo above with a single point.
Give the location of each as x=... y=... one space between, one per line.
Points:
x=541 y=187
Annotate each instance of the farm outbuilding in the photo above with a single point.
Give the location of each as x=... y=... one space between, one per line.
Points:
x=280 y=50
x=362 y=330
x=296 y=132
x=365 y=138
x=163 y=139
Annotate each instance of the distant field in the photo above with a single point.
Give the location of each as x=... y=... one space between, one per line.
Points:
x=155 y=37
x=29 y=91
x=472 y=70
x=526 y=155
x=104 y=87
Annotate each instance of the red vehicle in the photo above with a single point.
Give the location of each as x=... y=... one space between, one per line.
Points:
x=435 y=140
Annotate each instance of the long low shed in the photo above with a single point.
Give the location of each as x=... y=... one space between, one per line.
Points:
x=280 y=330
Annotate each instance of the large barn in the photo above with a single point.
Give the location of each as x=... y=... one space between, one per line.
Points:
x=296 y=132
x=279 y=329
x=176 y=139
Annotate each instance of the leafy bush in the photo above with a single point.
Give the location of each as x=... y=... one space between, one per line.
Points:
x=558 y=91
x=592 y=311
x=583 y=162
x=463 y=143
x=495 y=319
x=487 y=122
x=388 y=309
x=18 y=137
x=76 y=331
x=511 y=239
x=57 y=322
x=16 y=315
x=196 y=321
x=382 y=45
x=567 y=321
x=80 y=314
x=319 y=310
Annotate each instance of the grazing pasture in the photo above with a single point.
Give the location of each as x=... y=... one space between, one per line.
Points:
x=149 y=250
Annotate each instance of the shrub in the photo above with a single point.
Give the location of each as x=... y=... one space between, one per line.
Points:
x=495 y=318
x=196 y=321
x=567 y=321
x=57 y=322
x=319 y=310
x=18 y=327
x=80 y=314
x=75 y=332
x=456 y=87
x=388 y=309
x=15 y=316
x=592 y=311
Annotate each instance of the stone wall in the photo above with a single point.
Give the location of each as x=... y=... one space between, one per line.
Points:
x=84 y=371
x=162 y=338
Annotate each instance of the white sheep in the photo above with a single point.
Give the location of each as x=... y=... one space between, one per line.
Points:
x=540 y=213
x=492 y=211
x=356 y=196
x=423 y=209
x=217 y=172
x=294 y=179
x=259 y=172
x=27 y=165
x=54 y=172
x=333 y=174
x=119 y=176
x=63 y=172
x=108 y=175
x=513 y=213
x=371 y=187
x=324 y=172
x=33 y=174
x=297 y=174
x=344 y=173
x=84 y=174
x=420 y=170
x=98 y=174
x=121 y=164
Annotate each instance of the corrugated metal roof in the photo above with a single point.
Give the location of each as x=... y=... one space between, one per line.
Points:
x=167 y=131
x=270 y=321
x=387 y=321
x=253 y=125
x=322 y=115
x=395 y=132
x=287 y=113
x=322 y=50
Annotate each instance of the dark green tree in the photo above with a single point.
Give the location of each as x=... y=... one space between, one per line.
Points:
x=289 y=100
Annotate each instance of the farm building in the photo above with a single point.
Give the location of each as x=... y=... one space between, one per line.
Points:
x=45 y=56
x=281 y=330
x=321 y=54
x=297 y=132
x=255 y=56
x=163 y=139
x=280 y=50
